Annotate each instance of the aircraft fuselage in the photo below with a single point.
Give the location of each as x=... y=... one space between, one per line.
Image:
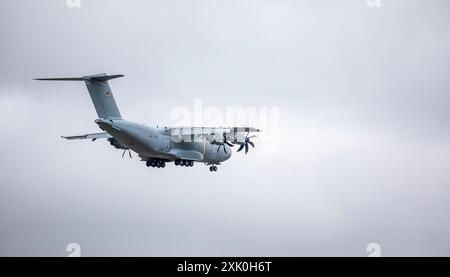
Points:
x=157 y=143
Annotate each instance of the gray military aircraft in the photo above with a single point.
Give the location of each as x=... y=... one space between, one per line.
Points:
x=156 y=146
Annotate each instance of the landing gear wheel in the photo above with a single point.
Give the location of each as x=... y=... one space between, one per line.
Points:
x=152 y=163
x=177 y=162
x=214 y=168
x=191 y=163
x=163 y=164
x=148 y=163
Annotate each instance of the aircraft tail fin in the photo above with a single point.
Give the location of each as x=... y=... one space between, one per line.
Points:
x=100 y=93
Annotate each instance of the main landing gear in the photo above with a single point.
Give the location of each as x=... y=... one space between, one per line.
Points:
x=156 y=163
x=213 y=168
x=184 y=163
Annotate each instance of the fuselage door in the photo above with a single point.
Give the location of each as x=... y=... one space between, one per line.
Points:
x=166 y=146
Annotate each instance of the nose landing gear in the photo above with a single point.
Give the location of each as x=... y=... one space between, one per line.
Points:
x=213 y=168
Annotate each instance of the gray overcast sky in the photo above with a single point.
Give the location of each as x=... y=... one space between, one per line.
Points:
x=364 y=127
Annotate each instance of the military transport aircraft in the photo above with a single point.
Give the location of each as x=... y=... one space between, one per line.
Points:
x=158 y=145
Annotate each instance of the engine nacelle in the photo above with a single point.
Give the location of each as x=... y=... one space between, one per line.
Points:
x=117 y=144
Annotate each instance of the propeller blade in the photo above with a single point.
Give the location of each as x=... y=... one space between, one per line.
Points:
x=240 y=147
x=229 y=144
x=246 y=149
x=251 y=143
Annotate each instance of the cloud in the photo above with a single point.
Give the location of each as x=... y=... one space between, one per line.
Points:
x=363 y=155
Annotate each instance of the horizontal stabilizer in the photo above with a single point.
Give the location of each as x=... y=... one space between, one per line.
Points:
x=100 y=93
x=103 y=78
x=59 y=79
x=94 y=78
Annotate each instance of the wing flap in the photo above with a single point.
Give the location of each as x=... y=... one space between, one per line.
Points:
x=89 y=136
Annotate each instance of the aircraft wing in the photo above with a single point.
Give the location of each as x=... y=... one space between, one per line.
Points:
x=211 y=130
x=235 y=134
x=89 y=136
